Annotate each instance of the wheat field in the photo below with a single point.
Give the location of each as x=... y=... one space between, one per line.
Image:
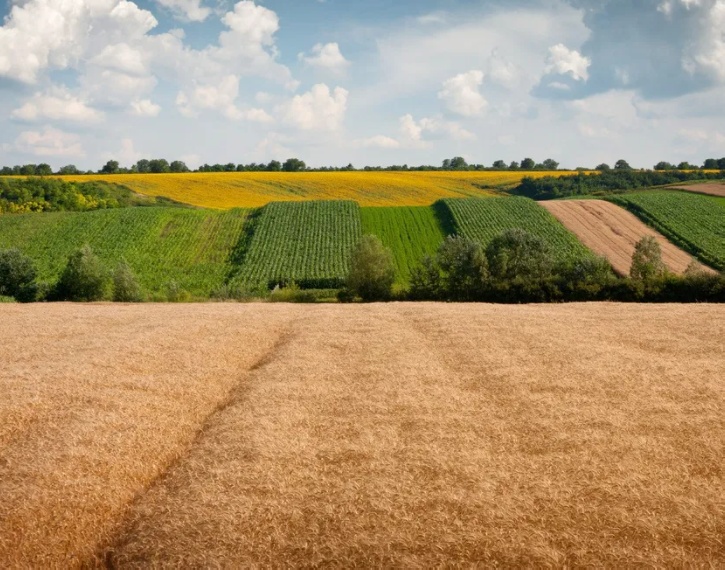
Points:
x=394 y=435
x=225 y=190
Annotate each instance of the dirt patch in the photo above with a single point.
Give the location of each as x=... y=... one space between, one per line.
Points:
x=717 y=189
x=612 y=231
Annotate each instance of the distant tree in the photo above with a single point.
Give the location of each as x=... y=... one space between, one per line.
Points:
x=550 y=164
x=6 y=171
x=178 y=166
x=662 y=165
x=274 y=166
x=425 y=280
x=125 y=285
x=710 y=164
x=516 y=253
x=43 y=169
x=458 y=163
x=686 y=166
x=28 y=170
x=83 y=279
x=446 y=164
x=527 y=164
x=514 y=166
x=68 y=169
x=499 y=165
x=463 y=268
x=230 y=167
x=293 y=165
x=111 y=167
x=372 y=270
x=721 y=163
x=603 y=167
x=143 y=166
x=17 y=275
x=622 y=164
x=159 y=166
x=647 y=260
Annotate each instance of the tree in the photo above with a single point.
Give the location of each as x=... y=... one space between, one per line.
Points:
x=458 y=163
x=425 y=280
x=43 y=169
x=142 y=166
x=603 y=167
x=514 y=165
x=83 y=279
x=17 y=275
x=372 y=270
x=293 y=165
x=622 y=164
x=274 y=166
x=721 y=163
x=527 y=164
x=28 y=170
x=159 y=166
x=499 y=165
x=662 y=165
x=111 y=167
x=517 y=254
x=463 y=266
x=178 y=166
x=647 y=260
x=125 y=285
x=710 y=164
x=550 y=164
x=68 y=169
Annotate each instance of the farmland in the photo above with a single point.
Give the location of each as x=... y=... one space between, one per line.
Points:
x=393 y=435
x=693 y=221
x=410 y=232
x=482 y=220
x=308 y=242
x=224 y=190
x=162 y=245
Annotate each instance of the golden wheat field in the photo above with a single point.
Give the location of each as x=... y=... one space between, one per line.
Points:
x=394 y=435
x=224 y=190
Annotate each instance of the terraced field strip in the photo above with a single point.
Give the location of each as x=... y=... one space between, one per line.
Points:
x=612 y=231
x=306 y=242
x=190 y=247
x=694 y=222
x=712 y=189
x=224 y=190
x=483 y=219
x=410 y=232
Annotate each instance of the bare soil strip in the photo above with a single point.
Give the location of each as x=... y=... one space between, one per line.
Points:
x=612 y=231
x=714 y=189
x=423 y=435
x=97 y=402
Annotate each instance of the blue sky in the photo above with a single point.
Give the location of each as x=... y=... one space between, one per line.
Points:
x=372 y=83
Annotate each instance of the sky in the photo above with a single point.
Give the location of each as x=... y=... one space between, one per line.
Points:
x=369 y=82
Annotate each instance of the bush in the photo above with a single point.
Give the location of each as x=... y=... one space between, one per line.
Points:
x=517 y=254
x=372 y=271
x=175 y=293
x=17 y=276
x=647 y=261
x=425 y=281
x=125 y=286
x=463 y=267
x=83 y=279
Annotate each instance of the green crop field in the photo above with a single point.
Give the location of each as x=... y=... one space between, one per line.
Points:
x=695 y=222
x=306 y=242
x=162 y=245
x=483 y=219
x=410 y=232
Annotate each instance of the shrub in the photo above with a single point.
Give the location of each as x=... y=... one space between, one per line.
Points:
x=372 y=270
x=517 y=254
x=425 y=281
x=463 y=267
x=125 y=285
x=83 y=279
x=647 y=261
x=175 y=293
x=17 y=275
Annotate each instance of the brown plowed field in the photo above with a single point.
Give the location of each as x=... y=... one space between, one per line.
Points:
x=397 y=435
x=712 y=189
x=611 y=231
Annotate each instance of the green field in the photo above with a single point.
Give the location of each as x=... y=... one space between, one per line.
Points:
x=306 y=242
x=162 y=245
x=410 y=232
x=483 y=219
x=695 y=222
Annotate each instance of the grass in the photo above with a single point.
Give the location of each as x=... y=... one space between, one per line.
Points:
x=224 y=190
x=415 y=435
x=162 y=245
x=410 y=233
x=695 y=222
x=306 y=242
x=482 y=220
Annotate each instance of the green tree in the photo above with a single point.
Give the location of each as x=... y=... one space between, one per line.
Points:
x=647 y=260
x=550 y=164
x=274 y=166
x=125 y=285
x=293 y=165
x=83 y=279
x=527 y=164
x=499 y=165
x=710 y=164
x=425 y=280
x=603 y=167
x=142 y=166
x=518 y=254
x=178 y=166
x=43 y=169
x=622 y=164
x=17 y=275
x=372 y=271
x=458 y=163
x=159 y=166
x=463 y=268
x=68 y=169
x=662 y=165
x=111 y=167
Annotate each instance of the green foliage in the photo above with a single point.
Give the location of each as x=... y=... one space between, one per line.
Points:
x=83 y=279
x=693 y=221
x=426 y=281
x=462 y=266
x=292 y=293
x=518 y=254
x=483 y=219
x=175 y=293
x=17 y=275
x=306 y=242
x=191 y=247
x=372 y=270
x=647 y=261
x=125 y=285
x=409 y=232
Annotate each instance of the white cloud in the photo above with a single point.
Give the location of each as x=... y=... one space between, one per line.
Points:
x=220 y=97
x=318 y=109
x=412 y=132
x=380 y=141
x=327 y=57
x=144 y=108
x=127 y=155
x=563 y=60
x=709 y=56
x=461 y=94
x=57 y=105
x=49 y=142
x=190 y=10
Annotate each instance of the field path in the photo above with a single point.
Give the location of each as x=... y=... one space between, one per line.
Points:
x=714 y=189
x=612 y=231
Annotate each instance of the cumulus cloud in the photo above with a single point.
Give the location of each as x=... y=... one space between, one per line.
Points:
x=461 y=94
x=144 y=108
x=57 y=105
x=413 y=133
x=563 y=61
x=380 y=141
x=327 y=57
x=220 y=97
x=189 y=10
x=49 y=142
x=318 y=109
